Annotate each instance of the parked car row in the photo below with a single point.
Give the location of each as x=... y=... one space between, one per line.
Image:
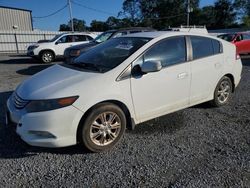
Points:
x=70 y=54
x=48 y=50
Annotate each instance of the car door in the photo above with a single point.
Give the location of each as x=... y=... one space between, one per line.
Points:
x=158 y=93
x=206 y=67
x=62 y=43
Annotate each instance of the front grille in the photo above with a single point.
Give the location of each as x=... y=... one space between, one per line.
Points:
x=18 y=101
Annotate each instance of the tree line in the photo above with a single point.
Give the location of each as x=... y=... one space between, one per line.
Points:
x=162 y=14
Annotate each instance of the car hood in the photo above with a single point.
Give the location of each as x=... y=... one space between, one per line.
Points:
x=54 y=82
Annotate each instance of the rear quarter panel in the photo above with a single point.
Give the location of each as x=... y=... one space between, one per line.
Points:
x=231 y=65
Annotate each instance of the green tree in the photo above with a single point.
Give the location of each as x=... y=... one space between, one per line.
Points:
x=64 y=27
x=113 y=22
x=162 y=14
x=98 y=26
x=79 y=25
x=246 y=21
x=131 y=11
x=224 y=13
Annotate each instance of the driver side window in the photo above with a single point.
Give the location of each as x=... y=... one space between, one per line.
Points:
x=66 y=39
x=170 y=51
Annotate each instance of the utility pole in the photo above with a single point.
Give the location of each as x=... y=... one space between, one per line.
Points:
x=71 y=18
x=188 y=11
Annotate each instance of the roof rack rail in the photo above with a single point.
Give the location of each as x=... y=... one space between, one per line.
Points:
x=193 y=26
x=191 y=29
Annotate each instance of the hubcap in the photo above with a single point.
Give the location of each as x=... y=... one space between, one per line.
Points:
x=105 y=128
x=47 y=57
x=224 y=91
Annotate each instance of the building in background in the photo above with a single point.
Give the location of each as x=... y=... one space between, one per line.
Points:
x=15 y=19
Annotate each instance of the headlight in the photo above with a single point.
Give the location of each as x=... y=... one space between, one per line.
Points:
x=33 y=47
x=75 y=53
x=50 y=104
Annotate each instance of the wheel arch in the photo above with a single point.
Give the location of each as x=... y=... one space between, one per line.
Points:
x=231 y=77
x=44 y=50
x=130 y=121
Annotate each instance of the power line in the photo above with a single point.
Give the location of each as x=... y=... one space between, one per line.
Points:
x=52 y=14
x=93 y=9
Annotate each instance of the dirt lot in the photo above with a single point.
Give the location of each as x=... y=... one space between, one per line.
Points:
x=196 y=147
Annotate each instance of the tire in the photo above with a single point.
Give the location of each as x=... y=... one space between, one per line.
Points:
x=47 y=57
x=103 y=128
x=223 y=92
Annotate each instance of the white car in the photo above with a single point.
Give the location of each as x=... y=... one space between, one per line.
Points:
x=121 y=83
x=48 y=51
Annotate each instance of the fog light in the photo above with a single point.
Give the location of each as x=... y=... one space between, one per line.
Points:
x=42 y=134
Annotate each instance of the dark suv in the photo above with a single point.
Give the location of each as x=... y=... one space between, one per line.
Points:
x=73 y=52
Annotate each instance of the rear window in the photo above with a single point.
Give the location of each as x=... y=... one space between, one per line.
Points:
x=202 y=47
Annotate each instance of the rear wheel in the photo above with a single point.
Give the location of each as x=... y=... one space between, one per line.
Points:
x=103 y=128
x=47 y=57
x=223 y=92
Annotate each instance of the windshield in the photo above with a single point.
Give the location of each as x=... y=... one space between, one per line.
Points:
x=55 y=38
x=103 y=37
x=110 y=54
x=227 y=37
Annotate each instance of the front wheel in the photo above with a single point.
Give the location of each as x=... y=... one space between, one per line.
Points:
x=47 y=57
x=103 y=128
x=223 y=92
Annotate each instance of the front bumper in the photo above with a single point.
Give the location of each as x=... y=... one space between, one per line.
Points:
x=30 y=53
x=55 y=128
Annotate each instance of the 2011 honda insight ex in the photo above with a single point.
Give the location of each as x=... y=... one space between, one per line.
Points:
x=120 y=83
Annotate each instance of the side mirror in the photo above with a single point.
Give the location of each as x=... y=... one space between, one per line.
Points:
x=151 y=66
x=58 y=42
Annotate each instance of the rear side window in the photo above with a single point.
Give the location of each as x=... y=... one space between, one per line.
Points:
x=80 y=38
x=202 y=47
x=217 y=46
x=169 y=51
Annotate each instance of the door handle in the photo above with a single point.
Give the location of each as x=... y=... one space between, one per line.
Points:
x=182 y=75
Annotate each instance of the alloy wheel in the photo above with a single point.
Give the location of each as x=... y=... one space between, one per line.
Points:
x=105 y=128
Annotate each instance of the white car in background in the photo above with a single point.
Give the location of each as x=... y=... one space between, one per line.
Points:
x=121 y=83
x=54 y=48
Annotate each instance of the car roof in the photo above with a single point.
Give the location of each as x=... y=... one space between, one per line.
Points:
x=132 y=29
x=156 y=34
x=73 y=33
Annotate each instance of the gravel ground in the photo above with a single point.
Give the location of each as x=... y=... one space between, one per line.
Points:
x=196 y=147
